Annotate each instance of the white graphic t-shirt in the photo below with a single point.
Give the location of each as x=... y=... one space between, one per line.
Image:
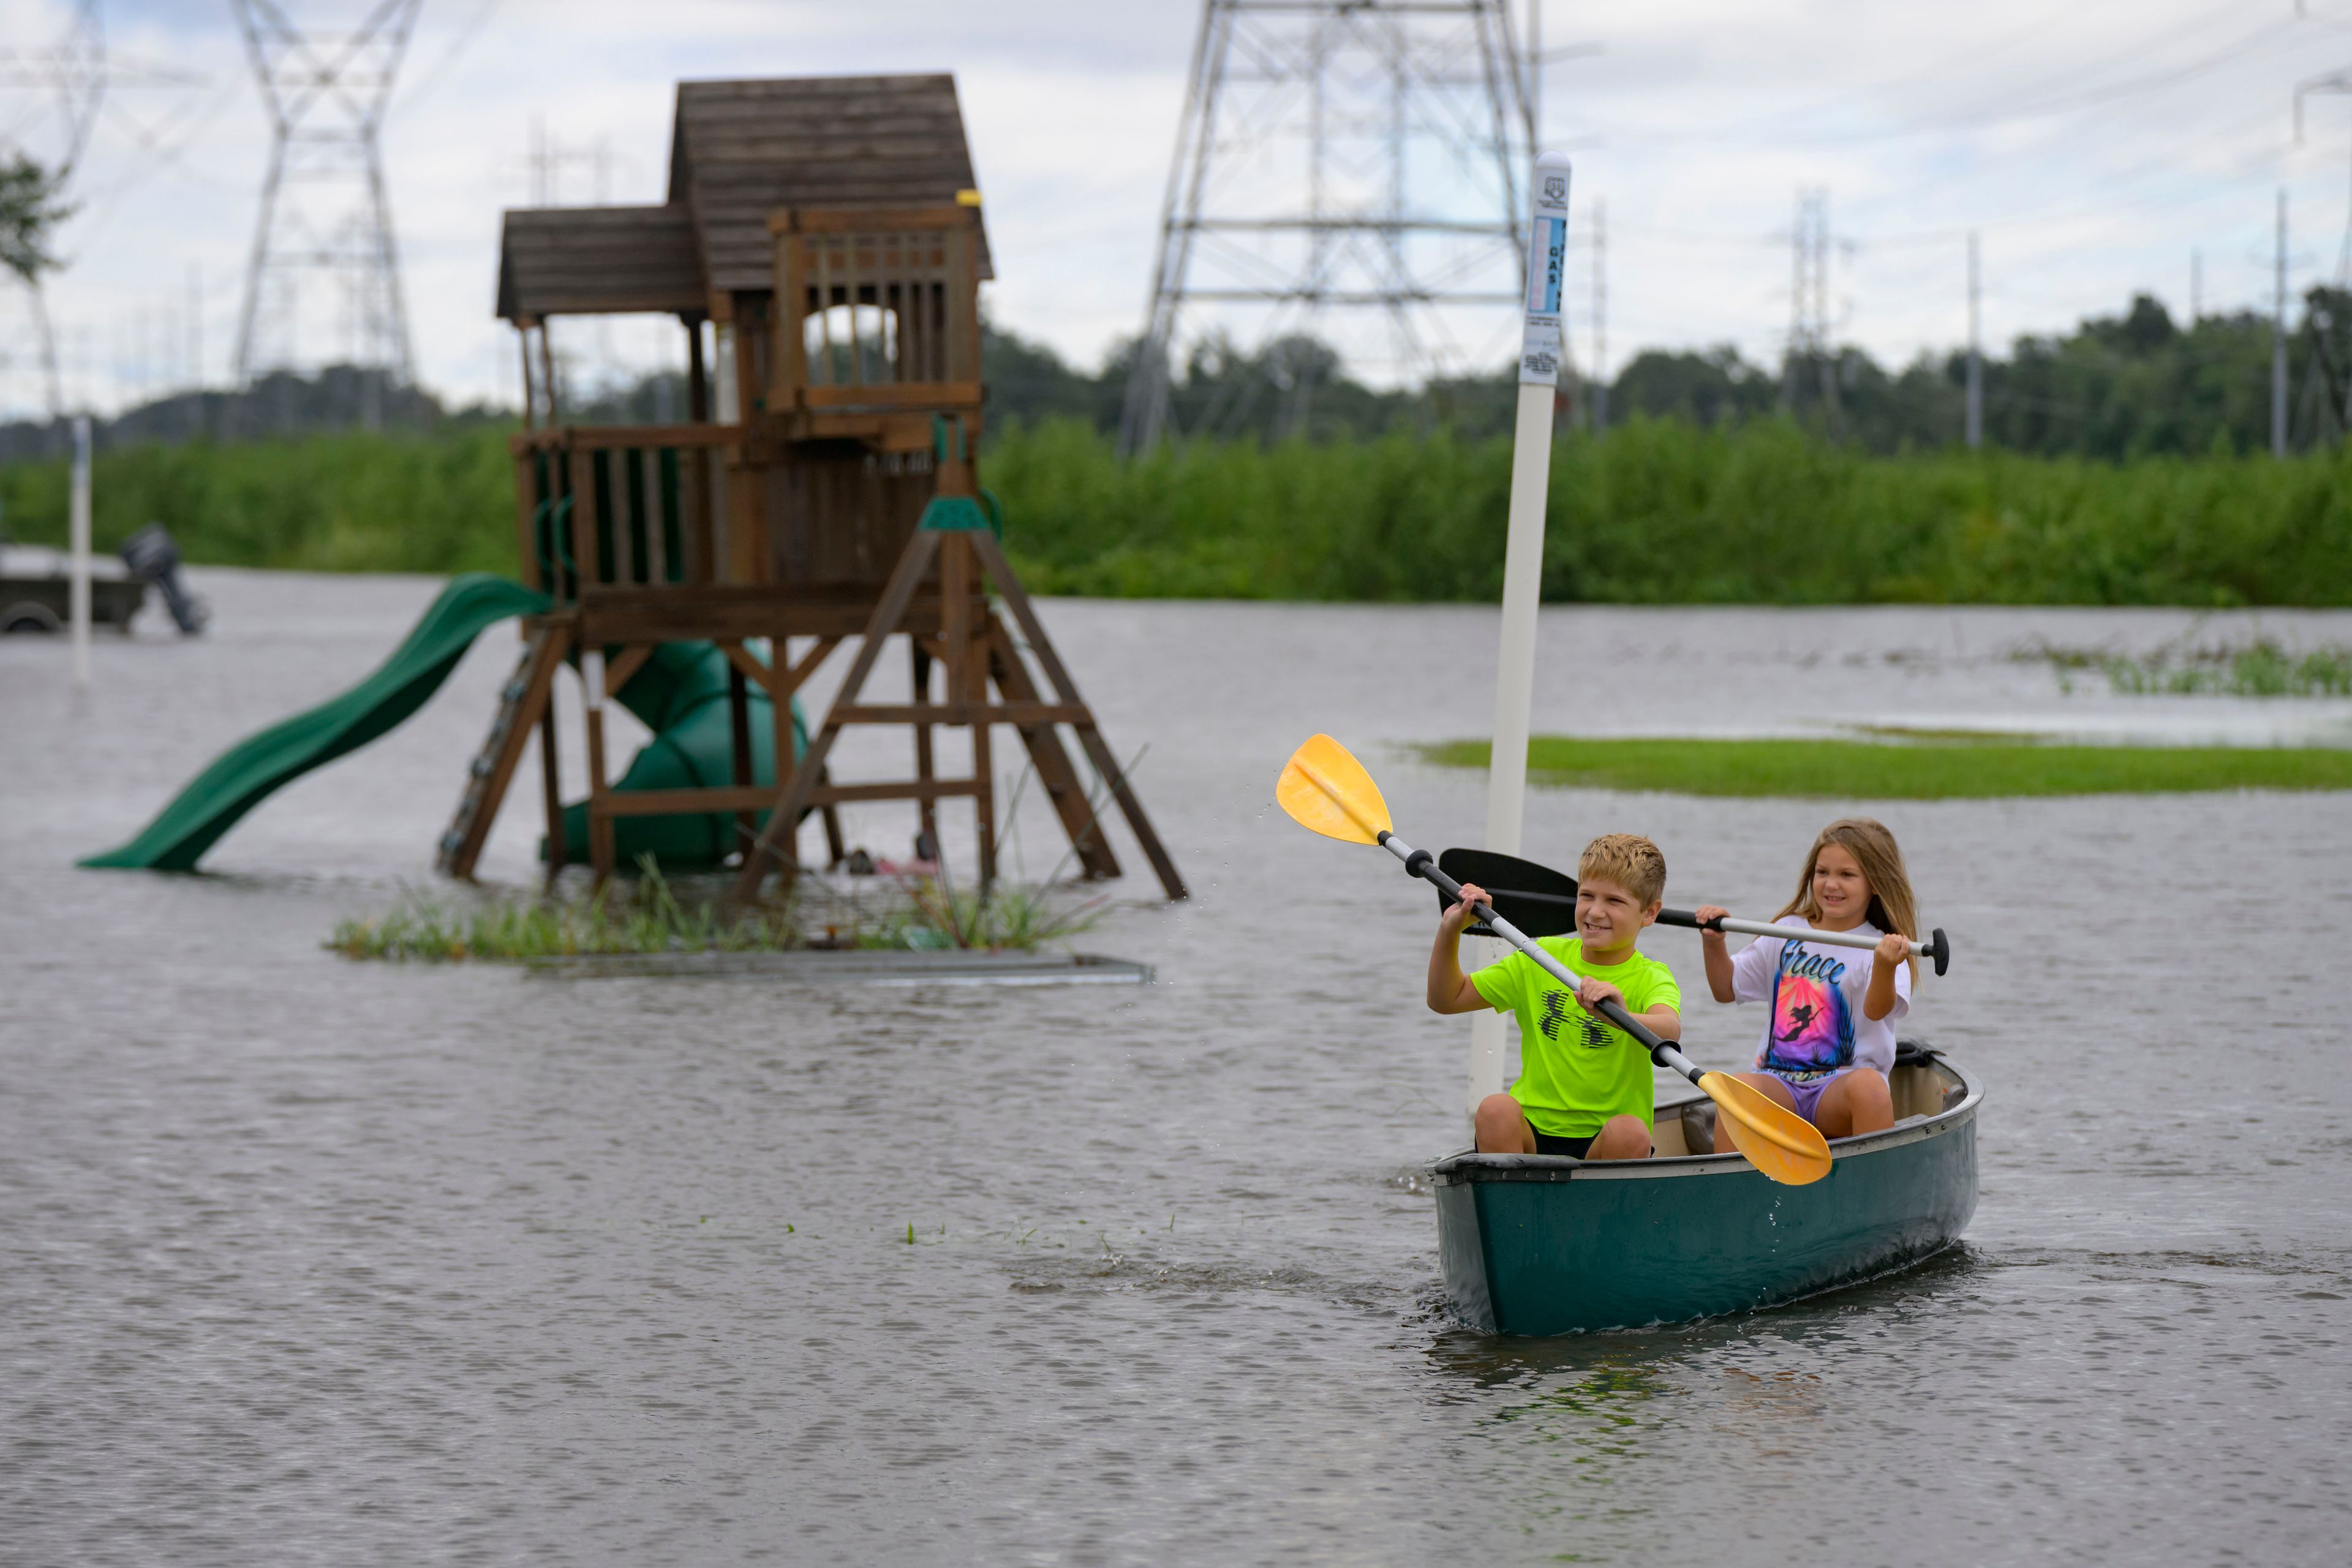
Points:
x=1817 y=1024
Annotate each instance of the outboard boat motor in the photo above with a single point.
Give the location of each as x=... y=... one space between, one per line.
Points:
x=152 y=557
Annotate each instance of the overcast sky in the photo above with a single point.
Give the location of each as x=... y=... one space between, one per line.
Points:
x=2094 y=146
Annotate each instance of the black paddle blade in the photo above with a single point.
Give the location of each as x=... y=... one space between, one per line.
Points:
x=1536 y=899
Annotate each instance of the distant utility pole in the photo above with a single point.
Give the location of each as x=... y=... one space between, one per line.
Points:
x=2196 y=285
x=2278 y=342
x=1976 y=352
x=1600 y=316
x=1363 y=155
x=324 y=207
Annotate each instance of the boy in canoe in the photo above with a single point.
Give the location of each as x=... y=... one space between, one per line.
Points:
x=1584 y=1087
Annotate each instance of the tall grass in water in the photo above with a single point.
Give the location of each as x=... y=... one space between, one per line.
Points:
x=649 y=917
x=2258 y=668
x=1656 y=512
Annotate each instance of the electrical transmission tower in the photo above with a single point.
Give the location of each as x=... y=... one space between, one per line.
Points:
x=1811 y=336
x=1357 y=155
x=324 y=208
x=2334 y=82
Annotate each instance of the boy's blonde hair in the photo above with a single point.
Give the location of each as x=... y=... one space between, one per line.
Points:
x=1892 y=905
x=1628 y=859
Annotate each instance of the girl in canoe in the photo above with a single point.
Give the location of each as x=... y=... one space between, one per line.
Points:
x=1828 y=1042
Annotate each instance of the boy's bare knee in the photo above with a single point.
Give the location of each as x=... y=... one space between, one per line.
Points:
x=1502 y=1126
x=1620 y=1138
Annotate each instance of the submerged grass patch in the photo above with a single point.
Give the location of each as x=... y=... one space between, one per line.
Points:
x=2258 y=668
x=1951 y=770
x=649 y=916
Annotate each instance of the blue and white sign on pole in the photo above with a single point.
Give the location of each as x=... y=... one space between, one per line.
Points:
x=1547 y=273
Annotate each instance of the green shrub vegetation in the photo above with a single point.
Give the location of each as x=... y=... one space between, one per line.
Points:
x=1949 y=768
x=1656 y=512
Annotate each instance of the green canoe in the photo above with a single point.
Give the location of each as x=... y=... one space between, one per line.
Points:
x=1536 y=1244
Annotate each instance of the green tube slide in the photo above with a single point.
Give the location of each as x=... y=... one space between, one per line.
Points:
x=680 y=694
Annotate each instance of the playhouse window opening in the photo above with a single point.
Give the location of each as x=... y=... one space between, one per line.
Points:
x=852 y=345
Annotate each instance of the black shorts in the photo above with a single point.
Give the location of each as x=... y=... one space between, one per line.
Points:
x=1570 y=1147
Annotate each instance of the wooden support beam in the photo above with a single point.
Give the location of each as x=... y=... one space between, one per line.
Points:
x=927 y=819
x=618 y=804
x=834 y=850
x=930 y=789
x=600 y=821
x=962 y=712
x=732 y=611
x=624 y=665
x=519 y=713
x=551 y=790
x=1055 y=774
x=738 y=730
x=889 y=611
x=796 y=675
x=779 y=715
x=793 y=677
x=1016 y=599
x=968 y=687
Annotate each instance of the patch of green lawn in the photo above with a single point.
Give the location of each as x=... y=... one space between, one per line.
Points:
x=1876 y=771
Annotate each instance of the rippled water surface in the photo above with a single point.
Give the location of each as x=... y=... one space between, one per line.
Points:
x=309 y=1260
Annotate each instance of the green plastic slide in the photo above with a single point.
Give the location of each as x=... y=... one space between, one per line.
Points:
x=680 y=694
x=245 y=775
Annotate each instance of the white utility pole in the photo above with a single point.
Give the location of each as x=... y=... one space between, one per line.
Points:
x=1976 y=352
x=2278 y=342
x=78 y=527
x=1515 y=666
x=1600 y=316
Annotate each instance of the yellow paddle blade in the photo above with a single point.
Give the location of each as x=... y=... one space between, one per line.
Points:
x=1325 y=789
x=1777 y=1141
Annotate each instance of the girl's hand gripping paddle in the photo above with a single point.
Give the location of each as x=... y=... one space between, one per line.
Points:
x=1325 y=789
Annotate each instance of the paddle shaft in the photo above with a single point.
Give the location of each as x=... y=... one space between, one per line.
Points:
x=1794 y=934
x=1490 y=870
x=1422 y=864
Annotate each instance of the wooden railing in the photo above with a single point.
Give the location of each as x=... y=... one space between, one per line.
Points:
x=875 y=309
x=623 y=505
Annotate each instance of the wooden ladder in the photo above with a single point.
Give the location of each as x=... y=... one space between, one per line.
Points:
x=520 y=702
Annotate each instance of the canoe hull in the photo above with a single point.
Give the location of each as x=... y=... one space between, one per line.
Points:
x=1536 y=1246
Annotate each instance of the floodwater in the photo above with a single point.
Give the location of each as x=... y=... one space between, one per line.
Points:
x=309 y=1260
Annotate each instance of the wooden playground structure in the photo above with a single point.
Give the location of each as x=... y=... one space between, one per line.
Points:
x=822 y=247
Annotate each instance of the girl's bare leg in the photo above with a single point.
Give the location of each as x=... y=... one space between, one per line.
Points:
x=1855 y=1102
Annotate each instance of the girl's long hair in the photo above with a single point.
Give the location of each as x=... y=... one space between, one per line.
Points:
x=1892 y=907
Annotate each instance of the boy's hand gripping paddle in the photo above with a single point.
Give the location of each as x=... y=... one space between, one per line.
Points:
x=1542 y=903
x=1325 y=789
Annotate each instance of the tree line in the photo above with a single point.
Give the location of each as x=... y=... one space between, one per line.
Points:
x=2137 y=383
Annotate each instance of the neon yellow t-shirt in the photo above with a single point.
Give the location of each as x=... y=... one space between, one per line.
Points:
x=1576 y=1069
